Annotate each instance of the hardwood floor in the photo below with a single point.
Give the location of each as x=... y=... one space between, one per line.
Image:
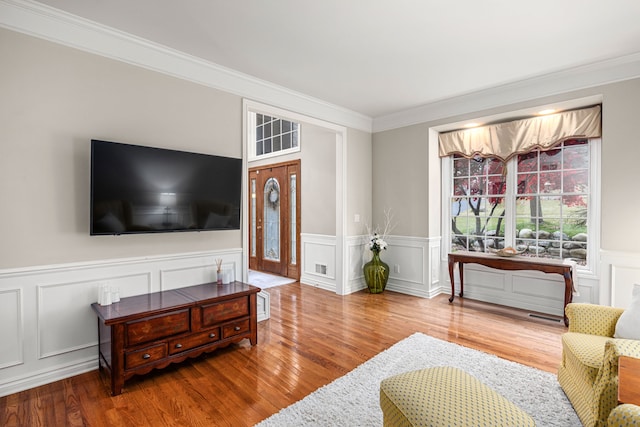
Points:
x=313 y=337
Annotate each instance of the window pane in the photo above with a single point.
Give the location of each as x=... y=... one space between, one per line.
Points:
x=550 y=211
x=460 y=167
x=276 y=134
x=461 y=186
x=576 y=182
x=495 y=166
x=576 y=157
x=477 y=166
x=551 y=160
x=528 y=162
x=551 y=182
x=527 y=183
x=286 y=141
x=496 y=185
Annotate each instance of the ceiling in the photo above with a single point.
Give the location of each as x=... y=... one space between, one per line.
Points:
x=378 y=57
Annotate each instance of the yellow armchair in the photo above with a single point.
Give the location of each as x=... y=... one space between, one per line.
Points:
x=588 y=372
x=626 y=415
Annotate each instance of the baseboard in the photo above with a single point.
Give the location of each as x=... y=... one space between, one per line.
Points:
x=47 y=376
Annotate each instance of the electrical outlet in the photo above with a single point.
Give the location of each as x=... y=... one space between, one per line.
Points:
x=396 y=268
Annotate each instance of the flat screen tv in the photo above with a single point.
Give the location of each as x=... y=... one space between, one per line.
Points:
x=137 y=189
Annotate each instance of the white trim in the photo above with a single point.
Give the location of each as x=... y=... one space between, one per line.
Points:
x=19 y=324
x=48 y=375
x=39 y=20
x=75 y=266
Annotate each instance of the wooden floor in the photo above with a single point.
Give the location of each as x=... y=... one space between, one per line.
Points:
x=313 y=337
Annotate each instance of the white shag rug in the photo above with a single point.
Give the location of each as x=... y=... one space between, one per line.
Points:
x=354 y=399
x=265 y=280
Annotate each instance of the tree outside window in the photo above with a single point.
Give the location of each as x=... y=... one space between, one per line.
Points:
x=547 y=202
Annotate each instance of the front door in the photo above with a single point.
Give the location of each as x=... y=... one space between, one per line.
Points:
x=274 y=219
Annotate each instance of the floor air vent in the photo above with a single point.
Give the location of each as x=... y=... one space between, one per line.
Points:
x=540 y=316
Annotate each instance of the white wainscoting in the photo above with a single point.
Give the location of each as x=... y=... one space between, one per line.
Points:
x=49 y=331
x=620 y=271
x=414 y=265
x=413 y=262
x=318 y=252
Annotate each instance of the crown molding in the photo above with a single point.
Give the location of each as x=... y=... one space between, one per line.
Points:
x=583 y=77
x=45 y=22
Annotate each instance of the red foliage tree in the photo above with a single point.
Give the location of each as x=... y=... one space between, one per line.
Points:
x=559 y=170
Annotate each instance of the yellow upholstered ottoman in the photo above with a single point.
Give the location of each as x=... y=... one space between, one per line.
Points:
x=445 y=396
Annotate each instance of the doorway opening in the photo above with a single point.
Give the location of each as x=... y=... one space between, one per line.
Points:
x=274 y=219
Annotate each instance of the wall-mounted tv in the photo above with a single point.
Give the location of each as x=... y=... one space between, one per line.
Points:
x=138 y=189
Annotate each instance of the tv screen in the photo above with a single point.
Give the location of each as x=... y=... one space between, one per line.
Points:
x=137 y=189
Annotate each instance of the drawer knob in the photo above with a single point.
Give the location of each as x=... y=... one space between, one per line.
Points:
x=178 y=345
x=146 y=356
x=237 y=328
x=212 y=335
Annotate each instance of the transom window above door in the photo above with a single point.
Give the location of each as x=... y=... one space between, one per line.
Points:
x=271 y=136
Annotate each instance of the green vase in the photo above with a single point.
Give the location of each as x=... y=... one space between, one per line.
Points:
x=376 y=274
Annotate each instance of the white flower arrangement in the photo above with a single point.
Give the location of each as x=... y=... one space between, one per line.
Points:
x=377 y=241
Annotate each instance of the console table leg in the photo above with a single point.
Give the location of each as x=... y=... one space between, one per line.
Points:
x=460 y=264
x=568 y=294
x=453 y=285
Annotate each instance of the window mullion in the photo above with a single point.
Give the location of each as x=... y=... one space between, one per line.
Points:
x=510 y=203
